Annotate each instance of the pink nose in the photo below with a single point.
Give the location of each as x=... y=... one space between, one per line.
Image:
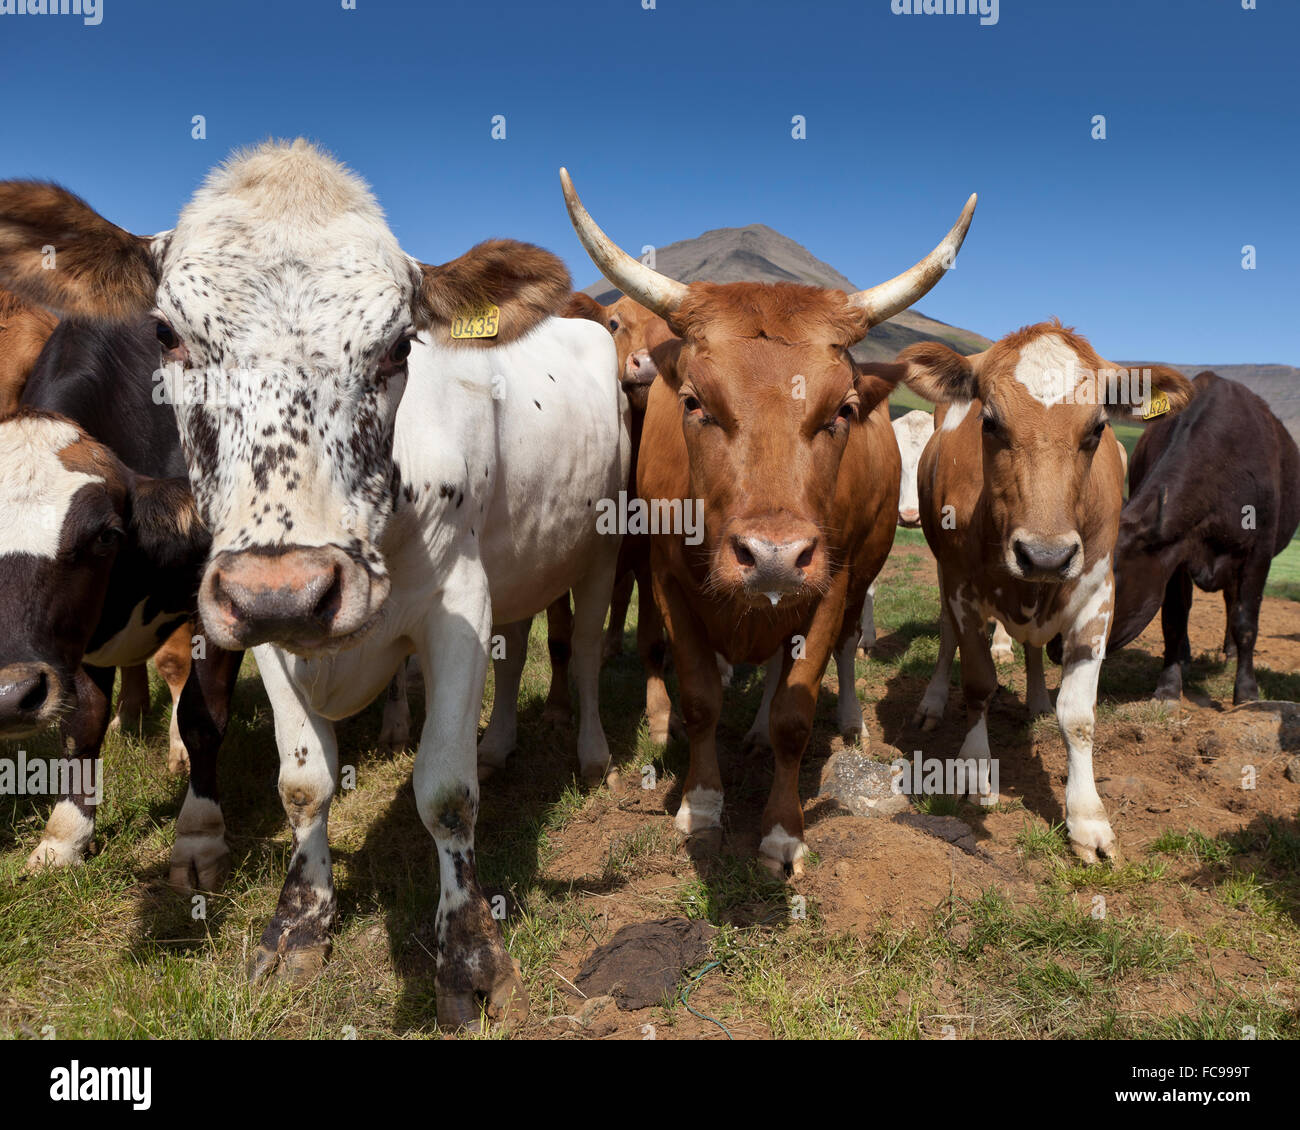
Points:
x=909 y=517
x=640 y=369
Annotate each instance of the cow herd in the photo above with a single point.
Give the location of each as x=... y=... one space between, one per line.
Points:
x=271 y=428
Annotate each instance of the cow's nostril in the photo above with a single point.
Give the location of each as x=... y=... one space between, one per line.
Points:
x=744 y=558
x=806 y=557
x=327 y=606
x=1023 y=559
x=35 y=698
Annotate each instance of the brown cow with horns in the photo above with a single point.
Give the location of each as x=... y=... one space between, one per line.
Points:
x=763 y=416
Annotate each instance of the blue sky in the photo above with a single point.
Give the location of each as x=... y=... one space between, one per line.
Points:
x=678 y=119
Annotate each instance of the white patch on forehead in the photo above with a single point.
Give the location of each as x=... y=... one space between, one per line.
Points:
x=1048 y=368
x=35 y=487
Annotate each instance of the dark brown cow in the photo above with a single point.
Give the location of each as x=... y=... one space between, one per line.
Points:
x=639 y=335
x=762 y=417
x=1214 y=496
x=1020 y=489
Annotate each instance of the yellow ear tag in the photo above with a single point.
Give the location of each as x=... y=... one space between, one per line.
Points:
x=1158 y=407
x=478 y=322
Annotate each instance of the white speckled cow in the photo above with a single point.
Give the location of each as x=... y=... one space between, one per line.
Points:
x=371 y=493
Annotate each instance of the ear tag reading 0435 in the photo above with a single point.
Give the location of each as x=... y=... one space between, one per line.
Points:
x=479 y=322
x=1158 y=407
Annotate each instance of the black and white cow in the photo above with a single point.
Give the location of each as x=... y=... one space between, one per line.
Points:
x=373 y=488
x=101 y=553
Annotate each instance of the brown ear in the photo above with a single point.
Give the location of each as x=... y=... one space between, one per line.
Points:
x=940 y=374
x=525 y=283
x=875 y=380
x=57 y=251
x=665 y=356
x=1177 y=389
x=165 y=522
x=584 y=306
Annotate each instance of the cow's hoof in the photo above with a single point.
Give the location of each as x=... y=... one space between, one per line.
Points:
x=856 y=735
x=53 y=853
x=1092 y=840
x=706 y=843
x=783 y=869
x=393 y=742
x=502 y=1001
x=293 y=967
x=198 y=863
x=1167 y=694
x=593 y=776
x=927 y=719
x=178 y=759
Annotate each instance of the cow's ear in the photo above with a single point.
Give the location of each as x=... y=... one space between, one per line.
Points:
x=56 y=251
x=875 y=380
x=666 y=357
x=1170 y=392
x=939 y=374
x=500 y=285
x=165 y=523
x=584 y=306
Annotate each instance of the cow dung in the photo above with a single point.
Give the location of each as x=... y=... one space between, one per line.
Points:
x=641 y=965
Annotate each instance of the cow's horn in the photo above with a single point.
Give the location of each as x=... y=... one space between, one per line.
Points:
x=884 y=301
x=655 y=291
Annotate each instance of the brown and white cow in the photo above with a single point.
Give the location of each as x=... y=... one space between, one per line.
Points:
x=763 y=418
x=1020 y=490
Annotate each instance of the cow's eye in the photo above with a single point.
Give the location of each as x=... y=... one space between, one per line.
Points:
x=105 y=541
x=400 y=351
x=166 y=335
x=1094 y=437
x=614 y=324
x=990 y=425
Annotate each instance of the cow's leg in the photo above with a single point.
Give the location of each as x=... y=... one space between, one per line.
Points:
x=498 y=740
x=590 y=604
x=699 y=816
x=1002 y=650
x=173 y=663
x=867 y=639
x=1084 y=648
x=559 y=645
x=474 y=968
x=653 y=649
x=979 y=682
x=1243 y=622
x=618 y=605
x=72 y=822
x=296 y=941
x=930 y=713
x=132 y=700
x=200 y=859
x=1036 y=696
x=782 y=849
x=395 y=729
x=1173 y=622
x=759 y=735
x=848 y=710
x=1230 y=597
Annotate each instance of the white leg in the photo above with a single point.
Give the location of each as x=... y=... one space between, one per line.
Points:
x=868 y=638
x=1036 y=696
x=1085 y=815
x=297 y=940
x=395 y=731
x=930 y=713
x=725 y=670
x=1002 y=650
x=759 y=735
x=453 y=655
x=502 y=732
x=590 y=604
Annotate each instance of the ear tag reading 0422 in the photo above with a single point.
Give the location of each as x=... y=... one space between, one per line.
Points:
x=479 y=322
x=1158 y=407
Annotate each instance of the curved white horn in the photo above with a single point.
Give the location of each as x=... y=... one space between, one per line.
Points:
x=654 y=291
x=884 y=301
